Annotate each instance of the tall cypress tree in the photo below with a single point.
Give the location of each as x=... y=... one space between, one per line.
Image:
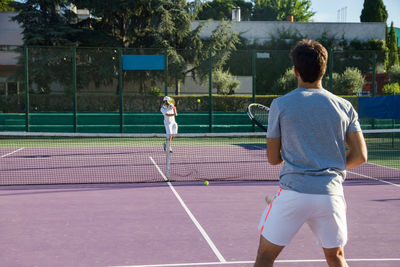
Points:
x=392 y=45
x=374 y=11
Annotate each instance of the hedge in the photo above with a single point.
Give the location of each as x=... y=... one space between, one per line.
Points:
x=135 y=103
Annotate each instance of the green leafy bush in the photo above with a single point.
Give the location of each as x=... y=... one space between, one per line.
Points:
x=391 y=89
x=155 y=91
x=286 y=83
x=394 y=73
x=335 y=81
x=225 y=83
x=347 y=83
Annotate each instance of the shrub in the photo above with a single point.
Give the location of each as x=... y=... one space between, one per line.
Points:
x=225 y=83
x=286 y=83
x=394 y=73
x=155 y=91
x=349 y=82
x=391 y=89
x=335 y=81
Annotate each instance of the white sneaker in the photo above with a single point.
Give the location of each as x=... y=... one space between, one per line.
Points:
x=164 y=145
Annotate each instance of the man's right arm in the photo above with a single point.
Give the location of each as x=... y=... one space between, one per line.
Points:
x=357 y=153
x=274 y=151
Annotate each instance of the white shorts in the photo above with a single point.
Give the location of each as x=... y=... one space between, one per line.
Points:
x=289 y=210
x=171 y=128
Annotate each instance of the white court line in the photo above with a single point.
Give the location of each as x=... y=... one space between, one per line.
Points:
x=382 y=166
x=372 y=178
x=199 y=227
x=19 y=149
x=252 y=262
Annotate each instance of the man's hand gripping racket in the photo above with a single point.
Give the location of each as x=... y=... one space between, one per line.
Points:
x=259 y=115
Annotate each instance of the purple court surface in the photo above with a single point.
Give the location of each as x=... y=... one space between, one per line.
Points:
x=170 y=224
x=179 y=224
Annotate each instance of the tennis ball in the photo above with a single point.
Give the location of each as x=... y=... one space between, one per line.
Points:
x=206 y=182
x=198 y=100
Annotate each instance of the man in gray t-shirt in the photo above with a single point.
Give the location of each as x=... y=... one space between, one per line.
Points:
x=312 y=124
x=308 y=130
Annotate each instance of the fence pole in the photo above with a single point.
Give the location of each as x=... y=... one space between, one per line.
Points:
x=75 y=106
x=121 y=93
x=253 y=82
x=210 y=111
x=165 y=72
x=373 y=82
x=374 y=74
x=26 y=70
x=330 y=70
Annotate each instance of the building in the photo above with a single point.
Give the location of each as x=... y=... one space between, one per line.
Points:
x=261 y=31
x=10 y=38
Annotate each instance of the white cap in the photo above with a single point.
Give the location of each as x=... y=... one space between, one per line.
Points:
x=167 y=98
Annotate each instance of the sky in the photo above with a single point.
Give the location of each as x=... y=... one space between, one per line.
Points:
x=350 y=10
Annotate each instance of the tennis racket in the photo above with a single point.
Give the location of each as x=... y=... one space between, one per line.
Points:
x=258 y=114
x=172 y=101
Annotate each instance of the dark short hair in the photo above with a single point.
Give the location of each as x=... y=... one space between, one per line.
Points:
x=310 y=59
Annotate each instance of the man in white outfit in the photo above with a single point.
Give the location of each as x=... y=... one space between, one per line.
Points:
x=171 y=127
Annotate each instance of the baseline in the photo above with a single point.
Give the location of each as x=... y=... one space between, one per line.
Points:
x=251 y=262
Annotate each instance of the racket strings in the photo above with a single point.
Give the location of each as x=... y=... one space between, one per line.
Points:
x=260 y=114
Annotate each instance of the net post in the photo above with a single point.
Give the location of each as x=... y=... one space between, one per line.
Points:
x=168 y=157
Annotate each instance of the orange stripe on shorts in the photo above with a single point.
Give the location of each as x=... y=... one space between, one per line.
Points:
x=269 y=209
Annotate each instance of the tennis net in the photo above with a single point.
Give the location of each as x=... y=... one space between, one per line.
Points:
x=65 y=158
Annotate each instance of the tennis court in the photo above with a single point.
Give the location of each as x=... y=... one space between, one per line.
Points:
x=103 y=200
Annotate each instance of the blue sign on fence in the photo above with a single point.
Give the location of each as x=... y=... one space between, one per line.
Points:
x=380 y=107
x=143 y=62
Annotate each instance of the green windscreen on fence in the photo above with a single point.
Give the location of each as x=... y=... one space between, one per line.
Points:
x=70 y=89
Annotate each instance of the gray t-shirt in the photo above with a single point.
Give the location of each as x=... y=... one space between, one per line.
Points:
x=312 y=124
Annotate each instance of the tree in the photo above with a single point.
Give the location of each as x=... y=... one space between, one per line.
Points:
x=393 y=49
x=394 y=74
x=374 y=11
x=279 y=10
x=6 y=5
x=46 y=22
x=222 y=9
x=139 y=25
x=166 y=26
x=224 y=82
